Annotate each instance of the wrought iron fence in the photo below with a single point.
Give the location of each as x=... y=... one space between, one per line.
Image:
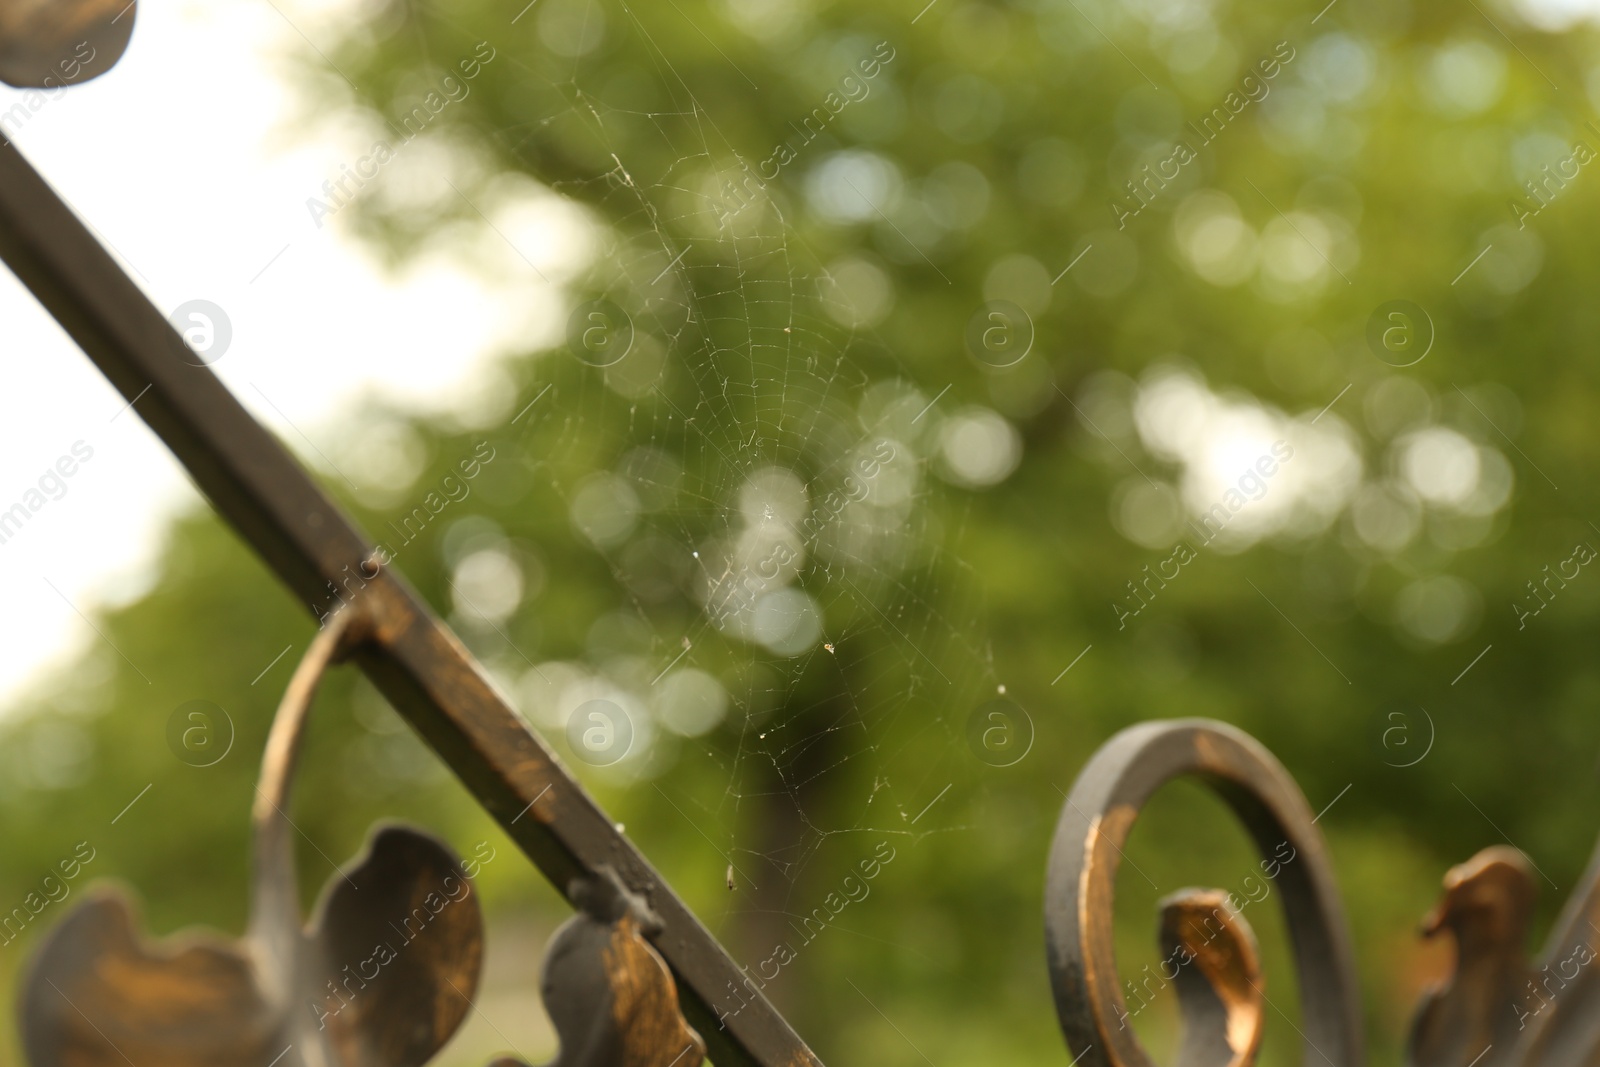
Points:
x=617 y=976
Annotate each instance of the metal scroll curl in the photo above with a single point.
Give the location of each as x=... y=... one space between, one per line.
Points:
x=1220 y=994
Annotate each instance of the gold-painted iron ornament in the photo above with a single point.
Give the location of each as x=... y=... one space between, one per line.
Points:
x=382 y=976
x=51 y=44
x=1496 y=1009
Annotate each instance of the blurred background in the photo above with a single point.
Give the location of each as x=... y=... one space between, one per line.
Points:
x=829 y=423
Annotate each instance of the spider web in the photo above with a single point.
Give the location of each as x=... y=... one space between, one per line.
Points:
x=759 y=453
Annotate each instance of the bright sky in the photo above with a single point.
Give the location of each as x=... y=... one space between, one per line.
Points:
x=189 y=161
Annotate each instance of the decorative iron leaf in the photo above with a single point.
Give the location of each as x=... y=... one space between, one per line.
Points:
x=610 y=995
x=51 y=44
x=98 y=993
x=1486 y=908
x=384 y=977
x=401 y=939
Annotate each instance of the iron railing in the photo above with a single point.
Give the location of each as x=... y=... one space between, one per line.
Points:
x=628 y=914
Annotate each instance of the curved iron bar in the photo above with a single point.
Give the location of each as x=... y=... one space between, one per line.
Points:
x=274 y=893
x=1081 y=882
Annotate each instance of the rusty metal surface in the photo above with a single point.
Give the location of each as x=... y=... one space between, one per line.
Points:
x=382 y=976
x=51 y=44
x=1080 y=897
x=421 y=667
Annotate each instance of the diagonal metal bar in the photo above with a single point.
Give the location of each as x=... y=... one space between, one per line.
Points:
x=314 y=548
